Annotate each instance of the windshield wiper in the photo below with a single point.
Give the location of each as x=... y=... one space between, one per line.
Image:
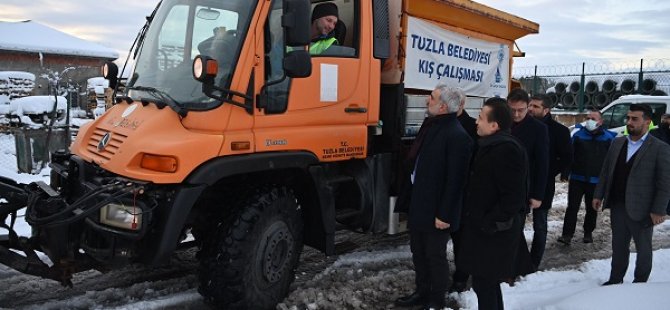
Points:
x=163 y=98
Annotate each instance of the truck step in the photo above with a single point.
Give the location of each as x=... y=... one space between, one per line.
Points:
x=339 y=179
x=345 y=247
x=342 y=214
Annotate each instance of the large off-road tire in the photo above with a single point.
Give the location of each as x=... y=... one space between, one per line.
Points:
x=250 y=261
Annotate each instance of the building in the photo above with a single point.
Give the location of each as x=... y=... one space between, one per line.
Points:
x=43 y=51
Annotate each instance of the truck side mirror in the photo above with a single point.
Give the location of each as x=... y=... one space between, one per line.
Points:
x=298 y=64
x=296 y=22
x=110 y=71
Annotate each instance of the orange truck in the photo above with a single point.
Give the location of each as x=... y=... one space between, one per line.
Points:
x=229 y=136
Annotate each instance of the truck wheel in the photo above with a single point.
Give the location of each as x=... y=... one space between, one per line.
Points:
x=250 y=263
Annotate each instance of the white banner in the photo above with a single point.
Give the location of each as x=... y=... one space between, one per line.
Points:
x=436 y=55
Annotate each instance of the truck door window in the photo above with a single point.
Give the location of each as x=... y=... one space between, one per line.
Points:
x=345 y=32
x=616 y=116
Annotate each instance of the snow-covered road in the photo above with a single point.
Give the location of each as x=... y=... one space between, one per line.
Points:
x=371 y=276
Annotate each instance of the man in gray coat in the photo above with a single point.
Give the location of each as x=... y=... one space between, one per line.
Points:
x=635 y=185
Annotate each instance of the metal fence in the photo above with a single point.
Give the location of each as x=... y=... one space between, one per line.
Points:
x=594 y=85
x=27 y=150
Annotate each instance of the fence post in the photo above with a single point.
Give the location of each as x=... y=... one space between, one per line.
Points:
x=535 y=81
x=580 y=101
x=640 y=77
x=24 y=157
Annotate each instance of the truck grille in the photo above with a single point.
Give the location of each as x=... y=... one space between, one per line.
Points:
x=115 y=141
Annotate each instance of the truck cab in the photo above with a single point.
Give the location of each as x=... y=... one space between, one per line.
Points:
x=230 y=131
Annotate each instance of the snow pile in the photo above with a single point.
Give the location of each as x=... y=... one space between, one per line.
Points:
x=581 y=288
x=37 y=105
x=97 y=81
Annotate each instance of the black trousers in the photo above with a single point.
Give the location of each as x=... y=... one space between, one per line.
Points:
x=577 y=190
x=539 y=242
x=429 y=254
x=489 y=295
x=459 y=275
x=623 y=229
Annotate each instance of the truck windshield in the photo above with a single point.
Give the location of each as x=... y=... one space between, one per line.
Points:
x=180 y=31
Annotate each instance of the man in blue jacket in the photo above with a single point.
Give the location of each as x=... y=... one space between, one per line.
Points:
x=590 y=144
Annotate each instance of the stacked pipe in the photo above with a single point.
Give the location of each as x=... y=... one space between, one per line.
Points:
x=597 y=96
x=627 y=87
x=610 y=93
x=560 y=93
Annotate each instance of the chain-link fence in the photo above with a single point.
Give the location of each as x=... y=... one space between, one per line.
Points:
x=594 y=85
x=7 y=150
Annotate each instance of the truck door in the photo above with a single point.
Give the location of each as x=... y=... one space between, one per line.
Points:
x=327 y=112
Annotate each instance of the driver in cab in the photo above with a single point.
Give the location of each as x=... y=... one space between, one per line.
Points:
x=324 y=19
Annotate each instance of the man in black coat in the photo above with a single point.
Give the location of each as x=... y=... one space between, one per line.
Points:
x=460 y=278
x=663 y=130
x=663 y=134
x=496 y=194
x=534 y=137
x=440 y=158
x=560 y=158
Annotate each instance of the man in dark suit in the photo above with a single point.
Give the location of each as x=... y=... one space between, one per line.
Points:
x=663 y=134
x=534 y=137
x=439 y=157
x=560 y=158
x=635 y=185
x=663 y=130
x=460 y=278
x=495 y=196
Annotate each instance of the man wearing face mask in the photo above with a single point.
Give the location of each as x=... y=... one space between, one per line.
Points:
x=590 y=146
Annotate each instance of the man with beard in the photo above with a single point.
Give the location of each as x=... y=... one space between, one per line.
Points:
x=324 y=19
x=438 y=160
x=560 y=158
x=635 y=185
x=496 y=194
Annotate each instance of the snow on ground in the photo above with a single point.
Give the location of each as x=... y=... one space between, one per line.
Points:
x=371 y=277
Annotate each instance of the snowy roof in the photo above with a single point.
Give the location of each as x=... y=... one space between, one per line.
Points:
x=30 y=36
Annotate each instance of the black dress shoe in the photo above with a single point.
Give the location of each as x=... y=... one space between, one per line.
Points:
x=588 y=238
x=639 y=281
x=415 y=299
x=611 y=282
x=458 y=287
x=436 y=305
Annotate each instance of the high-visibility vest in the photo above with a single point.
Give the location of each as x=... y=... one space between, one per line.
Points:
x=317 y=47
x=651 y=126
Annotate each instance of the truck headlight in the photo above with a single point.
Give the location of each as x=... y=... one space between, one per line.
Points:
x=121 y=216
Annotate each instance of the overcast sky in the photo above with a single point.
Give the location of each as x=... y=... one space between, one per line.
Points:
x=571 y=31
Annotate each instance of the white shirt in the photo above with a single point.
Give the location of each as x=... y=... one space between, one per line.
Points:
x=634 y=146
